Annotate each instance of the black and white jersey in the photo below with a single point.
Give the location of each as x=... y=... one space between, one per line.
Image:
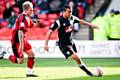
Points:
x=65 y=28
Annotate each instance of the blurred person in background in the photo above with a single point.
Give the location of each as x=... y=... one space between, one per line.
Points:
x=13 y=17
x=73 y=5
x=7 y=11
x=55 y=6
x=43 y=6
x=103 y=22
x=89 y=5
x=103 y=32
x=115 y=26
x=75 y=13
x=108 y=26
x=107 y=20
x=81 y=11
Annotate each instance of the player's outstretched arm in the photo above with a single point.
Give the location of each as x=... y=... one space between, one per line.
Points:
x=47 y=39
x=88 y=23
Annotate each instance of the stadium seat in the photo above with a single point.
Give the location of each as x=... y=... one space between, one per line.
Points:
x=42 y=16
x=11 y=0
x=5 y=34
x=2 y=3
x=1 y=16
x=11 y=3
x=47 y=23
x=33 y=34
x=4 y=24
x=52 y=16
x=2 y=8
x=52 y=20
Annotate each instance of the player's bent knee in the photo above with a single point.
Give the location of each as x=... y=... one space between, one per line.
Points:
x=31 y=55
x=73 y=56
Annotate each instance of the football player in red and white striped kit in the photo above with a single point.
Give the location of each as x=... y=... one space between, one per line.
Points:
x=19 y=43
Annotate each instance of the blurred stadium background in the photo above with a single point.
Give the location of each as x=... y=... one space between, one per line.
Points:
x=52 y=65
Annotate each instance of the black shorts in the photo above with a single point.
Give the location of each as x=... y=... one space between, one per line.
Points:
x=67 y=50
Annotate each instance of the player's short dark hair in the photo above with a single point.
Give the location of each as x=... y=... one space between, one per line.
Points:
x=66 y=7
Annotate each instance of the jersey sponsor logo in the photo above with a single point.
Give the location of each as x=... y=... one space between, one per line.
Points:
x=68 y=29
x=22 y=24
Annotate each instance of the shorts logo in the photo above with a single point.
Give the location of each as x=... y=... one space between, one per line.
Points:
x=64 y=24
x=68 y=52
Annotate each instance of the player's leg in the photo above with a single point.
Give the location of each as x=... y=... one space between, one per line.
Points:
x=30 y=60
x=79 y=61
x=80 y=64
x=70 y=51
x=16 y=57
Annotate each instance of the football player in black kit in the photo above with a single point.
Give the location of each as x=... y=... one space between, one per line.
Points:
x=64 y=24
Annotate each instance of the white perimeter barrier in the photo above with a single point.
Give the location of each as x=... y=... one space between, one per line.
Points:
x=89 y=49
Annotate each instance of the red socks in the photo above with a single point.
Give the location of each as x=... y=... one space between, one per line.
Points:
x=30 y=62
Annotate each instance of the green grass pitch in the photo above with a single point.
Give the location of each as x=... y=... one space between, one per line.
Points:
x=60 y=69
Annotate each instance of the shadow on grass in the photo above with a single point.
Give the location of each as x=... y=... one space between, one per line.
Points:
x=1 y=78
x=106 y=77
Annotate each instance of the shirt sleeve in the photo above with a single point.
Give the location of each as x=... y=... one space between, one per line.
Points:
x=22 y=22
x=55 y=25
x=76 y=19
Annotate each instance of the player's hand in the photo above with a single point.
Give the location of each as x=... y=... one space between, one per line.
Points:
x=46 y=48
x=38 y=22
x=94 y=26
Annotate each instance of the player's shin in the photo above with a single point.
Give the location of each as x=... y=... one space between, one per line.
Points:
x=30 y=64
x=80 y=64
x=84 y=68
